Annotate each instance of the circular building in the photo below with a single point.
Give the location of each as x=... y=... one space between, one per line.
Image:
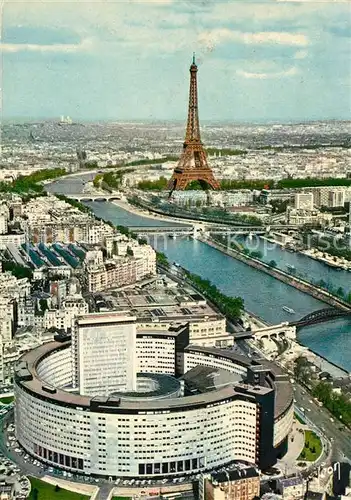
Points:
x=219 y=408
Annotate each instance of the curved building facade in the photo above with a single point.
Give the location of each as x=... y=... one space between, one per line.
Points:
x=219 y=408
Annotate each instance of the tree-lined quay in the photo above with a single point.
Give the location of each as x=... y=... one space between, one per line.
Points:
x=337 y=404
x=289 y=279
x=160 y=184
x=231 y=307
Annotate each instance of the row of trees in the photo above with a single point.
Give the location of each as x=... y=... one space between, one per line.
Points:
x=162 y=259
x=226 y=151
x=227 y=184
x=239 y=247
x=151 y=162
x=337 y=291
x=221 y=213
x=231 y=307
x=257 y=254
x=312 y=182
x=337 y=404
x=157 y=185
x=74 y=203
x=111 y=180
x=231 y=184
x=31 y=183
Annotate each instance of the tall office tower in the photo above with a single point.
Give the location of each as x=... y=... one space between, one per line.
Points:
x=304 y=201
x=192 y=165
x=103 y=353
x=336 y=198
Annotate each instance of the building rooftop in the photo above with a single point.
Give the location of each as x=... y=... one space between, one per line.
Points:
x=151 y=385
x=159 y=302
x=202 y=379
x=234 y=474
x=290 y=481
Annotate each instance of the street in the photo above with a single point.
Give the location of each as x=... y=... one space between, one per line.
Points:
x=321 y=417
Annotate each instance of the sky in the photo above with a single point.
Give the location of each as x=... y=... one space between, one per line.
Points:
x=277 y=60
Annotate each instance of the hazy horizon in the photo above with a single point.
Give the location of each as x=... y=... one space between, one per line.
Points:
x=267 y=61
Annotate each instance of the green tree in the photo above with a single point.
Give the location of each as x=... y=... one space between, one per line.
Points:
x=17 y=270
x=162 y=259
x=97 y=180
x=272 y=263
x=43 y=305
x=256 y=254
x=340 y=292
x=301 y=369
x=31 y=184
x=322 y=284
x=74 y=203
x=229 y=306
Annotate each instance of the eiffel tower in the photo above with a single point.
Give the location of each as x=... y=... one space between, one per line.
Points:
x=192 y=165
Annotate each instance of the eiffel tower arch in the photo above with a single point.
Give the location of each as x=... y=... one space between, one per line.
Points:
x=192 y=165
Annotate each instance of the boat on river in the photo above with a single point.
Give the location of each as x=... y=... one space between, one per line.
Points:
x=288 y=309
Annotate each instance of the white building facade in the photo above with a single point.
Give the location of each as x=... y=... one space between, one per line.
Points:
x=103 y=353
x=142 y=435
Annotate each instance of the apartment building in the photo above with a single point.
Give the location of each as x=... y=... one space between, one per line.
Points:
x=304 y=201
x=121 y=271
x=239 y=484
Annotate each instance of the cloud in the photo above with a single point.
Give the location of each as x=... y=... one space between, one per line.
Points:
x=41 y=35
x=300 y=54
x=312 y=1
x=264 y=37
x=67 y=48
x=265 y=76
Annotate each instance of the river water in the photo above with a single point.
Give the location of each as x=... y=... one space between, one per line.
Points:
x=263 y=294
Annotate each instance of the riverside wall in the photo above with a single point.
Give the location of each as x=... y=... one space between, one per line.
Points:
x=303 y=286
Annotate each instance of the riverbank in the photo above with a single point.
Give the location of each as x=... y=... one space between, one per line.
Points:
x=263 y=295
x=303 y=286
x=125 y=205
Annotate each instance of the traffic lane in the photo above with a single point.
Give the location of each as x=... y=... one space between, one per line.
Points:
x=322 y=419
x=332 y=425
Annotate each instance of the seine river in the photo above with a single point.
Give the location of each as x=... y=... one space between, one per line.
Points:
x=263 y=294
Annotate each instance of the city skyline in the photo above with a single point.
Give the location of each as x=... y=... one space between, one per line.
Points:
x=264 y=62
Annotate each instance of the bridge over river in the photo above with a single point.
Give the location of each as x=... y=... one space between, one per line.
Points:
x=195 y=229
x=319 y=316
x=95 y=197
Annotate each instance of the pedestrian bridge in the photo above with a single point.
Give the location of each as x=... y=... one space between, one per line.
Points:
x=320 y=316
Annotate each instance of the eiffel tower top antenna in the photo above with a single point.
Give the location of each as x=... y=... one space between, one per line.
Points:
x=194 y=58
